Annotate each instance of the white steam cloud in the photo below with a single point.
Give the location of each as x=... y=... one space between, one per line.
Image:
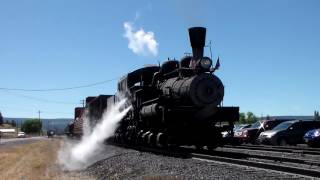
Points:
x=140 y=42
x=79 y=155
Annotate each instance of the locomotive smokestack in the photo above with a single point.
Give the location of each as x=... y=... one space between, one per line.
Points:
x=197 y=39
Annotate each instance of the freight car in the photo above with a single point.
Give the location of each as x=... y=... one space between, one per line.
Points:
x=92 y=112
x=177 y=103
x=74 y=128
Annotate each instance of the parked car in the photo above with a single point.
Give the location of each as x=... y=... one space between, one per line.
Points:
x=236 y=129
x=289 y=132
x=312 y=138
x=250 y=134
x=50 y=133
x=21 y=134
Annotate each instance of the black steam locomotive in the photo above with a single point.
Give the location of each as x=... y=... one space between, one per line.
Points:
x=177 y=103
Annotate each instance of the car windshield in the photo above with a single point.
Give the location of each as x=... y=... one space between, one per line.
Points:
x=247 y=126
x=238 y=127
x=283 y=126
x=256 y=125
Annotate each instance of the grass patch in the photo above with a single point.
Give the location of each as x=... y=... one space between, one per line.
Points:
x=37 y=160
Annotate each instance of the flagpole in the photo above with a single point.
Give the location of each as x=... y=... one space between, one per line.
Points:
x=210 y=49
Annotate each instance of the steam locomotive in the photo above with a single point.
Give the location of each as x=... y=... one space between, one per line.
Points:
x=177 y=103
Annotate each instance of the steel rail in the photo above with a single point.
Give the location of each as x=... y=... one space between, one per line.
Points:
x=275 y=149
x=284 y=147
x=262 y=165
x=241 y=155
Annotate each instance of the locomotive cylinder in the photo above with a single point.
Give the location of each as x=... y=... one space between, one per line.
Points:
x=150 y=110
x=197 y=37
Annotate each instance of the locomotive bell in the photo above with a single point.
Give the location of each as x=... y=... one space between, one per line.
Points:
x=197 y=37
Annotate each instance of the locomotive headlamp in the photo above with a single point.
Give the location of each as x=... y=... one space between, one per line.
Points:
x=205 y=63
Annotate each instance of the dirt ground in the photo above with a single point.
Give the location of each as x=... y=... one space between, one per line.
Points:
x=36 y=160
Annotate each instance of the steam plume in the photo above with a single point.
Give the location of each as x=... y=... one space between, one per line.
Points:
x=74 y=156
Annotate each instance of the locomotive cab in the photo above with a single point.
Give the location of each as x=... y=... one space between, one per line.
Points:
x=139 y=78
x=137 y=85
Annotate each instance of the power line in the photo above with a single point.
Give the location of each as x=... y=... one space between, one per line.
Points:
x=60 y=89
x=40 y=99
x=28 y=109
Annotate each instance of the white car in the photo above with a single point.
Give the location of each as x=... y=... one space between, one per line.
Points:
x=21 y=135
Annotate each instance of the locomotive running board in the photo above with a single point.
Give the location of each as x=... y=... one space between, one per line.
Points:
x=230 y=114
x=207 y=111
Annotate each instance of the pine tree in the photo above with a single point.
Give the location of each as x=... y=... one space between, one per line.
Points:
x=316 y=116
x=1 y=119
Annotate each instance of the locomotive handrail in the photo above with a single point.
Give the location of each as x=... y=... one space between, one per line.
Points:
x=150 y=101
x=171 y=73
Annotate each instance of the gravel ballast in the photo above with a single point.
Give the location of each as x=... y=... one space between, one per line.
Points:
x=121 y=163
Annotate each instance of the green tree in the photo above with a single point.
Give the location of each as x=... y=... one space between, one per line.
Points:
x=242 y=118
x=251 y=118
x=31 y=126
x=247 y=118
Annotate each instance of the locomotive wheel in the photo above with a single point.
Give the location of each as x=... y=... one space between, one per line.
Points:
x=212 y=147
x=139 y=137
x=121 y=138
x=127 y=137
x=117 y=138
x=151 y=139
x=145 y=137
x=162 y=140
x=199 y=147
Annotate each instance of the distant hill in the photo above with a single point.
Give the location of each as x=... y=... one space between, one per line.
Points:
x=58 y=124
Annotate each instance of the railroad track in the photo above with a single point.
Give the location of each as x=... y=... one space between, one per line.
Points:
x=258 y=164
x=307 y=151
x=278 y=159
x=286 y=147
x=281 y=164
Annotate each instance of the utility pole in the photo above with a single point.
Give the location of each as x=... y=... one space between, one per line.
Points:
x=40 y=123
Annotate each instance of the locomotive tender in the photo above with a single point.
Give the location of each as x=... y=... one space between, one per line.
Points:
x=177 y=103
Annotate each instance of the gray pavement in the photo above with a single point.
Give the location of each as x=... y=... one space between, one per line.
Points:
x=16 y=141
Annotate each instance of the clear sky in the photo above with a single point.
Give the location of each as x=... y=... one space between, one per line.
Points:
x=269 y=50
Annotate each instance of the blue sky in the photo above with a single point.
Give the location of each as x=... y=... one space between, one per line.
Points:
x=269 y=50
